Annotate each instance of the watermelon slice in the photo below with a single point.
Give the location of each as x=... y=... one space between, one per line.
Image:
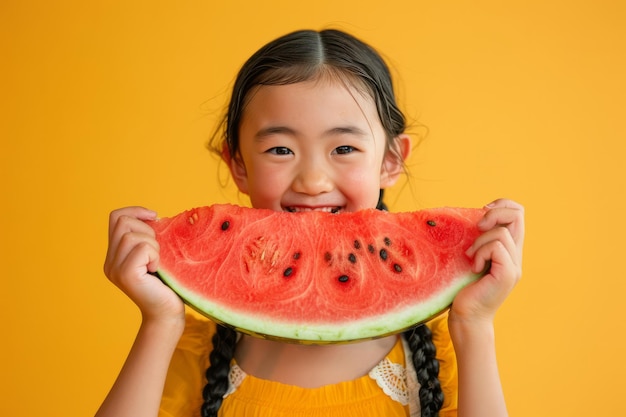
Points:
x=317 y=277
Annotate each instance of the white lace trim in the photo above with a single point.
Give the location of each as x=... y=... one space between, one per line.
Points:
x=235 y=378
x=391 y=378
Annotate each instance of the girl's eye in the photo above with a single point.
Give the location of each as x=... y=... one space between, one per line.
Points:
x=280 y=150
x=342 y=150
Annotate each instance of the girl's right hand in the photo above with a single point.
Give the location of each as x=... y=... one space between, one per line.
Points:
x=133 y=254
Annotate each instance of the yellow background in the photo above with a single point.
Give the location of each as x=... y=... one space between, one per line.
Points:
x=110 y=103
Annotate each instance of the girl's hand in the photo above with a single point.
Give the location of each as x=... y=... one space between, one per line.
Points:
x=133 y=253
x=501 y=245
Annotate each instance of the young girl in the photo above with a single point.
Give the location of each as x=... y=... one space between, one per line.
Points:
x=312 y=125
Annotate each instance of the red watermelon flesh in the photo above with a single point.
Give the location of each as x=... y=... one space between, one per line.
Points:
x=317 y=277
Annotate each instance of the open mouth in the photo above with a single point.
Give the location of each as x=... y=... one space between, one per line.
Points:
x=298 y=209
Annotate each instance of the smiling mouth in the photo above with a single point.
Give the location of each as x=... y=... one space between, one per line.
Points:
x=294 y=209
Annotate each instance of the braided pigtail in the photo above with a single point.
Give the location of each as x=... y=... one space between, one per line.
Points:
x=224 y=341
x=381 y=204
x=423 y=352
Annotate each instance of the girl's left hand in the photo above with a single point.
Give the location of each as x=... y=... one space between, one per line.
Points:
x=501 y=244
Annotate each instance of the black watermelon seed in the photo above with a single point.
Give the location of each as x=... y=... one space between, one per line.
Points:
x=397 y=268
x=357 y=244
x=288 y=272
x=296 y=255
x=225 y=225
x=431 y=223
x=370 y=248
x=352 y=258
x=328 y=256
x=383 y=254
x=387 y=241
x=343 y=278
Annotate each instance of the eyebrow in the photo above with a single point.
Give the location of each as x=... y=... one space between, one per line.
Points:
x=349 y=129
x=339 y=130
x=273 y=130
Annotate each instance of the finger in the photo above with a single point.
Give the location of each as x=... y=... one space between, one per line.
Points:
x=501 y=234
x=502 y=264
x=504 y=203
x=137 y=212
x=131 y=276
x=131 y=242
x=134 y=264
x=125 y=225
x=507 y=214
x=501 y=278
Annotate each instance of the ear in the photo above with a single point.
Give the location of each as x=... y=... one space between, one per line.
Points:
x=237 y=169
x=393 y=162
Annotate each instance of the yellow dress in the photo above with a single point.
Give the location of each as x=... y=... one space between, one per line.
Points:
x=250 y=396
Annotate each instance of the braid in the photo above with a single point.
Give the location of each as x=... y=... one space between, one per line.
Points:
x=224 y=341
x=427 y=368
x=381 y=204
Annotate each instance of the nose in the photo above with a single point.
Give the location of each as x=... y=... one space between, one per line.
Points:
x=312 y=178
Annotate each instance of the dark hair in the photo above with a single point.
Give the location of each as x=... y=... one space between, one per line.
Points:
x=224 y=341
x=297 y=57
x=308 y=55
x=423 y=353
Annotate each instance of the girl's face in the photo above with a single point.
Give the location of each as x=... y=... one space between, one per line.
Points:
x=315 y=145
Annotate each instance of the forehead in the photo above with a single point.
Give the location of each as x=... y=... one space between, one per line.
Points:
x=328 y=98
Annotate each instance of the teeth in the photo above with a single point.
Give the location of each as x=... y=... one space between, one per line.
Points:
x=304 y=209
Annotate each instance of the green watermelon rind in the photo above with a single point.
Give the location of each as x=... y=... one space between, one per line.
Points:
x=265 y=326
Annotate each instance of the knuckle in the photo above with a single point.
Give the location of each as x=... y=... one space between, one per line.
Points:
x=144 y=246
x=127 y=239
x=125 y=220
x=499 y=246
x=502 y=232
x=116 y=215
x=113 y=215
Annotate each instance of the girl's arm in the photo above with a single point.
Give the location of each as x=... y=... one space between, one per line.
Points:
x=133 y=253
x=472 y=313
x=139 y=386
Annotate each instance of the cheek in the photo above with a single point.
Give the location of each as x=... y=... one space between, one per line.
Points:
x=362 y=177
x=362 y=185
x=365 y=173
x=267 y=181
